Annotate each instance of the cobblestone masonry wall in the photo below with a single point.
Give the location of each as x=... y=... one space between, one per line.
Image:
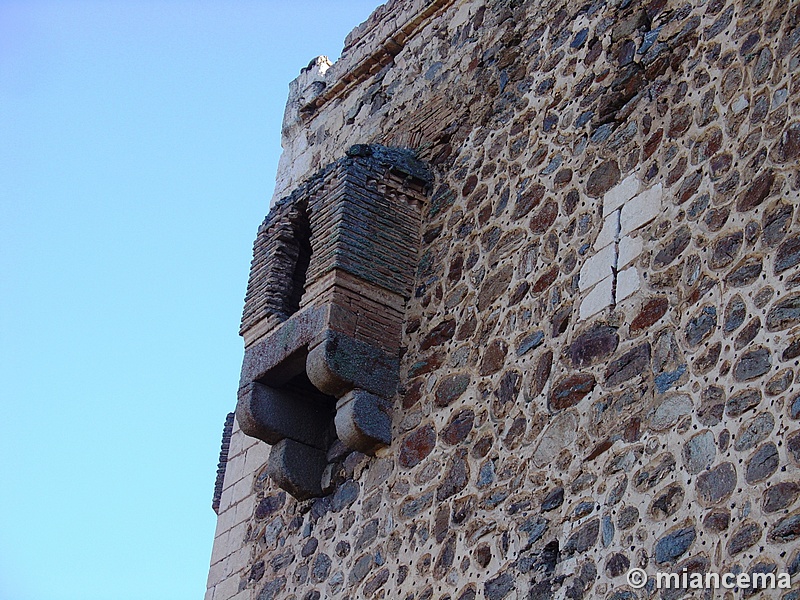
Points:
x=601 y=361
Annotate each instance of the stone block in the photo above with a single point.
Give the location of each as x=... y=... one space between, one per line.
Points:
x=364 y=421
x=271 y=415
x=341 y=363
x=629 y=250
x=610 y=231
x=598 y=266
x=601 y=296
x=620 y=194
x=641 y=209
x=627 y=283
x=297 y=468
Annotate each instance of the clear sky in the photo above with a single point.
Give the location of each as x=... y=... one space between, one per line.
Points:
x=138 y=146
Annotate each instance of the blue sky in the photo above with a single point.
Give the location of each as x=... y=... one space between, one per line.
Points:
x=138 y=148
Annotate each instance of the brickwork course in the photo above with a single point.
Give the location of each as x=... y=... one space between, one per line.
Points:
x=597 y=363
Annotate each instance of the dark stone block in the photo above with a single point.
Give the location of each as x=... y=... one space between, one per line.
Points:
x=603 y=178
x=274 y=414
x=752 y=364
x=629 y=365
x=341 y=363
x=583 y=538
x=781 y=495
x=593 y=345
x=758 y=191
x=297 y=468
x=450 y=388
x=673 y=545
x=570 y=390
x=717 y=484
x=786 y=530
x=743 y=538
x=459 y=427
x=701 y=326
x=417 y=445
x=364 y=421
x=763 y=463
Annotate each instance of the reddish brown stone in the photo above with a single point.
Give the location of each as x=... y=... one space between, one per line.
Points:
x=494 y=286
x=593 y=345
x=787 y=149
x=459 y=427
x=603 y=178
x=689 y=186
x=450 y=388
x=652 y=310
x=541 y=373
x=651 y=145
x=528 y=200
x=544 y=218
x=717 y=217
x=439 y=334
x=545 y=280
x=570 y=390
x=416 y=446
x=758 y=191
x=493 y=357
x=681 y=119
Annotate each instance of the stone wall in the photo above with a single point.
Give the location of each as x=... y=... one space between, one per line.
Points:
x=600 y=361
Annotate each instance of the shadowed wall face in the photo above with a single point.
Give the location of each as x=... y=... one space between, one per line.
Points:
x=598 y=367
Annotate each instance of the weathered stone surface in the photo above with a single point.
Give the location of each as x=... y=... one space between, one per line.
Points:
x=784 y=314
x=788 y=254
x=593 y=345
x=667 y=502
x=602 y=178
x=735 y=314
x=786 y=530
x=763 y=463
x=499 y=587
x=754 y=431
x=494 y=286
x=743 y=538
x=557 y=435
x=701 y=326
x=650 y=313
x=417 y=445
x=634 y=362
x=673 y=545
x=758 y=191
x=752 y=364
x=439 y=334
x=742 y=401
x=699 y=452
x=451 y=388
x=459 y=427
x=673 y=247
x=669 y=410
x=456 y=476
x=493 y=357
x=745 y=272
x=717 y=484
x=583 y=538
x=570 y=390
x=717 y=520
x=553 y=500
x=781 y=495
x=725 y=250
